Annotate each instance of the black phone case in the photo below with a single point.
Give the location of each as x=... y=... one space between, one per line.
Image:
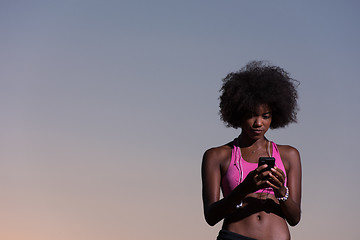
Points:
x=270 y=161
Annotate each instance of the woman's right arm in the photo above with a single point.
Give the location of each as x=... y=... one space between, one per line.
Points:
x=215 y=209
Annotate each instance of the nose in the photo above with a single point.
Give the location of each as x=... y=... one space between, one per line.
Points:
x=257 y=122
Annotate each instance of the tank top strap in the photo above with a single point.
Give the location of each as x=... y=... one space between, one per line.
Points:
x=278 y=161
x=275 y=152
x=235 y=153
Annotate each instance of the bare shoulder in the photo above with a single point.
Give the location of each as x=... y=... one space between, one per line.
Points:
x=288 y=151
x=217 y=153
x=289 y=155
x=218 y=156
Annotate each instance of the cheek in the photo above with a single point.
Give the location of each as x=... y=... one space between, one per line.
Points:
x=248 y=124
x=268 y=123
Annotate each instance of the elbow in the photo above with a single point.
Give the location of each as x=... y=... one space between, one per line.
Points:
x=210 y=221
x=294 y=221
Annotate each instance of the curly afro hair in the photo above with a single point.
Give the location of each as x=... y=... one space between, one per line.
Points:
x=255 y=84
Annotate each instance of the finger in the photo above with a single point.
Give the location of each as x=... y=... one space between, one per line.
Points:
x=264 y=175
x=259 y=178
x=275 y=180
x=278 y=178
x=274 y=187
x=261 y=168
x=261 y=171
x=255 y=176
x=280 y=171
x=278 y=174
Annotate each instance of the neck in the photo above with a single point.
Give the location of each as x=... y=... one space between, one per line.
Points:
x=245 y=141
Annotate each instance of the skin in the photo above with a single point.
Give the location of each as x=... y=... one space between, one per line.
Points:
x=262 y=216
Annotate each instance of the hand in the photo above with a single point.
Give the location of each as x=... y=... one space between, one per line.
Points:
x=276 y=181
x=258 y=179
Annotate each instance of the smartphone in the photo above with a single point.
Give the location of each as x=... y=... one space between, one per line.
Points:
x=270 y=161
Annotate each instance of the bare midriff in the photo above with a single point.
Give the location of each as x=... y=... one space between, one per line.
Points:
x=267 y=223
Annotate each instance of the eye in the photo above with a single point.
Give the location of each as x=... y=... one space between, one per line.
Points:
x=267 y=116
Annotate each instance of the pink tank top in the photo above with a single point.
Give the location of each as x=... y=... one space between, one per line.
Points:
x=239 y=169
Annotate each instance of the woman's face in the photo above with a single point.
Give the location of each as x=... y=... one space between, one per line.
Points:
x=257 y=123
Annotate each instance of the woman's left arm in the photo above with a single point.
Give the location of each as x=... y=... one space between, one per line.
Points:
x=292 y=206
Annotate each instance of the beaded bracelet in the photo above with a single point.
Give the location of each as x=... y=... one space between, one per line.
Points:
x=284 y=198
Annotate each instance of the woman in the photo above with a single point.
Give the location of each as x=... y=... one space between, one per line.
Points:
x=258 y=202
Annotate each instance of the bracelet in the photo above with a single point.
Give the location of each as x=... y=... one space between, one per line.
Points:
x=284 y=198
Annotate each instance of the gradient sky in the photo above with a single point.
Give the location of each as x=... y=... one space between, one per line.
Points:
x=108 y=106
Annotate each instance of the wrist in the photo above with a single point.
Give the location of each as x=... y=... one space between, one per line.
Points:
x=284 y=197
x=236 y=197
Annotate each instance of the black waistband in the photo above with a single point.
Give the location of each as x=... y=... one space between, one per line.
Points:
x=227 y=235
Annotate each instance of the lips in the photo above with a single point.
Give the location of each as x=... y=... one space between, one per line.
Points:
x=257 y=131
